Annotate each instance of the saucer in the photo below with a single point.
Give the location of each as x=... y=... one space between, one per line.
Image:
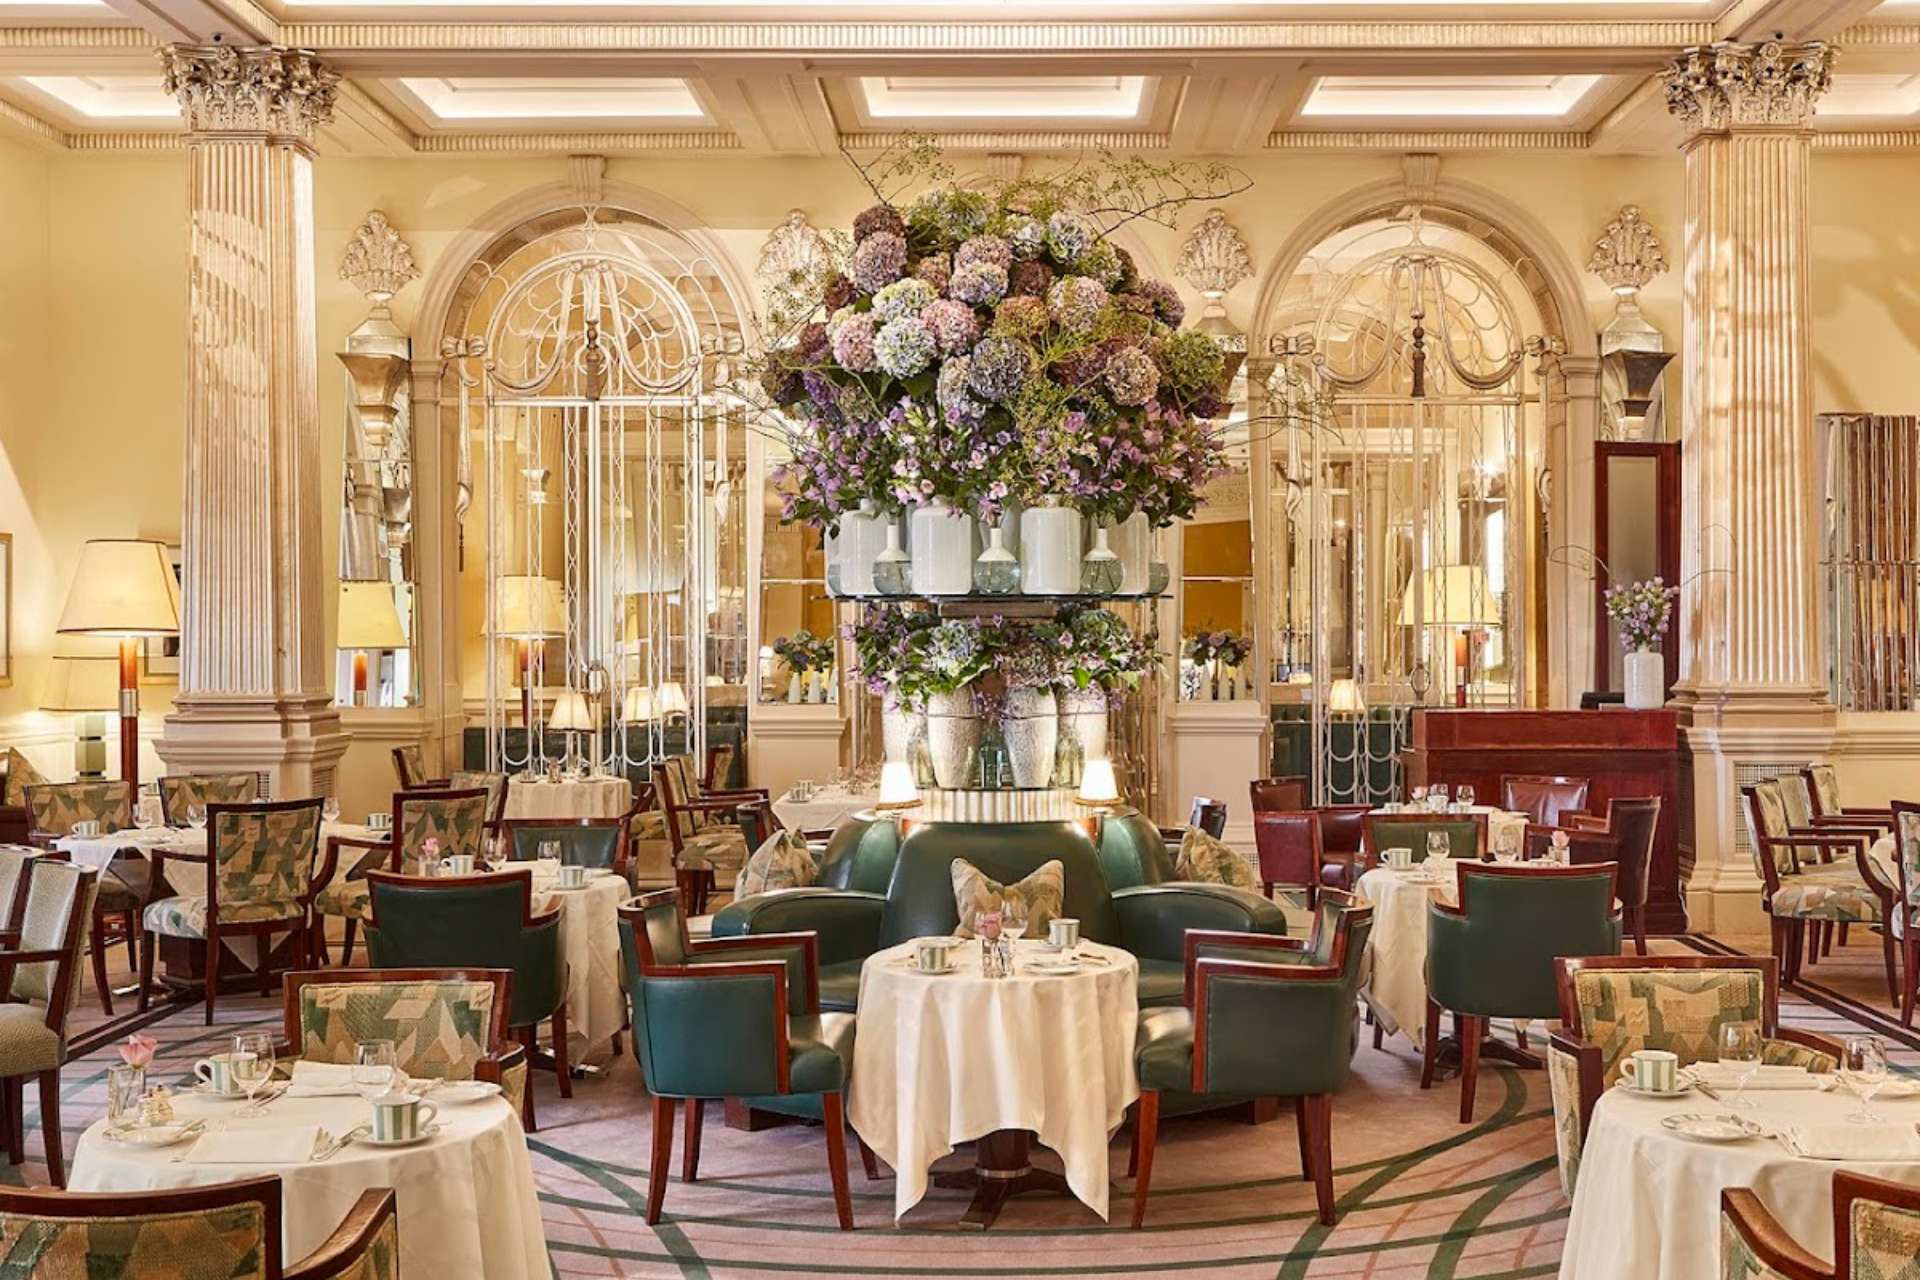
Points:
x=947 y=968
x=430 y=1131
x=1058 y=966
x=458 y=1092
x=1626 y=1086
x=205 y=1090
x=1706 y=1128
x=156 y=1135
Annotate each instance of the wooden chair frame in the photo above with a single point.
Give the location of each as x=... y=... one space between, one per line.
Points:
x=1789 y=936
x=623 y=850
x=391 y=845
x=1370 y=847
x=110 y=925
x=501 y=1054
x=59 y=995
x=1775 y=1248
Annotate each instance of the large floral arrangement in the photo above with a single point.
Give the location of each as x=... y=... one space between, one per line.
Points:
x=886 y=655
x=805 y=651
x=1218 y=646
x=987 y=345
x=1641 y=610
x=1098 y=650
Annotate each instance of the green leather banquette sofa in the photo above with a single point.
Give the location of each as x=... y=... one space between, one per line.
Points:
x=877 y=889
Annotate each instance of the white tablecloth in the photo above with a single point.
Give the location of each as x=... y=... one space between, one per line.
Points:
x=1506 y=830
x=946 y=1060
x=590 y=948
x=467 y=1201
x=584 y=798
x=825 y=809
x=1647 y=1204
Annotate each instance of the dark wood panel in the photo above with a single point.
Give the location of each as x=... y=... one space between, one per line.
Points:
x=1625 y=754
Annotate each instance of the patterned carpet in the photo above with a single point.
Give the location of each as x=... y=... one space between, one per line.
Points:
x=1420 y=1195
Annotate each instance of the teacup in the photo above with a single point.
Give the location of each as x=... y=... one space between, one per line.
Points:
x=932 y=954
x=1400 y=859
x=803 y=791
x=380 y=821
x=457 y=864
x=572 y=876
x=1652 y=1071
x=400 y=1117
x=1063 y=932
x=216 y=1073
x=86 y=828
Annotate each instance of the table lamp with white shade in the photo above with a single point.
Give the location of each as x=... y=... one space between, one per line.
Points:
x=1099 y=787
x=898 y=791
x=529 y=610
x=636 y=707
x=124 y=588
x=672 y=700
x=1344 y=698
x=1455 y=596
x=84 y=686
x=572 y=714
x=368 y=620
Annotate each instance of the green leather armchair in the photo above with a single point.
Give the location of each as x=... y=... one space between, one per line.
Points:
x=1494 y=954
x=1117 y=889
x=600 y=843
x=1466 y=834
x=479 y=922
x=735 y=1017
x=1282 y=1025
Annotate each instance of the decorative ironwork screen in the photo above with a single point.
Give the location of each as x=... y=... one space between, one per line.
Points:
x=1871 y=475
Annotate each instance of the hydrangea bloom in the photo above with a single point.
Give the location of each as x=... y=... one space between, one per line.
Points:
x=1027 y=237
x=903 y=347
x=1020 y=318
x=1167 y=307
x=984 y=249
x=1030 y=278
x=936 y=269
x=853 y=343
x=979 y=284
x=1076 y=302
x=879 y=260
x=1101 y=262
x=902 y=298
x=881 y=219
x=1000 y=369
x=952 y=324
x=952 y=391
x=1068 y=236
x=1132 y=376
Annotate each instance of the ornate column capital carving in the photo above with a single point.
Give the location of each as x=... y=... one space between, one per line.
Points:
x=378 y=262
x=224 y=89
x=1629 y=254
x=1714 y=88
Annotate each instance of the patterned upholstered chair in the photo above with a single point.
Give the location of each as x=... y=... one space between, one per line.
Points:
x=39 y=983
x=456 y=820
x=1876 y=1234
x=718 y=775
x=1800 y=888
x=1611 y=1006
x=51 y=812
x=257 y=875
x=1823 y=789
x=228 y=1231
x=1466 y=834
x=410 y=769
x=479 y=922
x=1796 y=792
x=708 y=845
x=730 y=1018
x=181 y=791
x=1260 y=1020
x=17 y=773
x=1904 y=918
x=445 y=1024
x=494 y=784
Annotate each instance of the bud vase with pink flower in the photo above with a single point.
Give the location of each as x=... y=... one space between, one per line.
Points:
x=127 y=1083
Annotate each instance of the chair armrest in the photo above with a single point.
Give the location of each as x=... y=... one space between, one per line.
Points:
x=9 y=958
x=1154 y=918
x=161 y=857
x=766 y=946
x=739 y=795
x=846 y=921
x=1573 y=820
x=748 y=1008
x=1260 y=1028
x=341 y=1253
x=1772 y=1246
x=1232 y=945
x=1804 y=1040
x=360 y=866
x=496 y=1064
x=1587 y=1056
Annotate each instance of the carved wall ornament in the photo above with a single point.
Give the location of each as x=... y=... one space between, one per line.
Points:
x=1726 y=85
x=378 y=262
x=1214 y=258
x=795 y=262
x=264 y=89
x=1629 y=254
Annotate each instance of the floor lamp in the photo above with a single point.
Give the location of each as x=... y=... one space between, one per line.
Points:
x=529 y=609
x=124 y=588
x=368 y=620
x=84 y=686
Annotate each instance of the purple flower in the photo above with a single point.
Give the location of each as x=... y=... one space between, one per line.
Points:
x=853 y=343
x=1068 y=236
x=952 y=324
x=1000 y=369
x=879 y=260
x=902 y=298
x=1076 y=302
x=984 y=249
x=881 y=219
x=936 y=269
x=1167 y=306
x=979 y=284
x=903 y=347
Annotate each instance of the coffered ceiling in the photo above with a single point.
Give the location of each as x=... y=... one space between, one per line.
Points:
x=798 y=77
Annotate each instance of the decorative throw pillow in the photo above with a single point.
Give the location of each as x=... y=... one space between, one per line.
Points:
x=20 y=775
x=782 y=861
x=1209 y=861
x=1043 y=894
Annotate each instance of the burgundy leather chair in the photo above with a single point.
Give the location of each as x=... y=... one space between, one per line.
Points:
x=1343 y=831
x=1278 y=795
x=1624 y=836
x=1543 y=798
x=1292 y=849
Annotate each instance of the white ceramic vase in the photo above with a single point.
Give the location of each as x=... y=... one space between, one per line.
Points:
x=899 y=728
x=1132 y=541
x=1031 y=730
x=942 y=550
x=862 y=537
x=795 y=687
x=1646 y=680
x=1050 y=542
x=1083 y=717
x=953 y=735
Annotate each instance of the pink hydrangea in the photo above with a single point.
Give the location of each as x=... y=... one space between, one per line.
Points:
x=952 y=324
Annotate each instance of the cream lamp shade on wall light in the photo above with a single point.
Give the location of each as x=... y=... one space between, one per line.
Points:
x=637 y=706
x=529 y=607
x=673 y=699
x=1457 y=596
x=368 y=619
x=1345 y=699
x=124 y=588
x=571 y=714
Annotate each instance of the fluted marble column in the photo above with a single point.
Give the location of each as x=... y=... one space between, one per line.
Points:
x=254 y=689
x=1751 y=695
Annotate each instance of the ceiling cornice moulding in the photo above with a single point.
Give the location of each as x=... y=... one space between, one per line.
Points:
x=1026 y=140
x=690 y=142
x=1428 y=140
x=1901 y=35
x=70 y=38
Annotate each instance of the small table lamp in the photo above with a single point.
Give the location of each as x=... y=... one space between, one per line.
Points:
x=637 y=706
x=124 y=588
x=898 y=791
x=1345 y=699
x=1099 y=788
x=571 y=714
x=1458 y=596
x=368 y=620
x=529 y=609
x=672 y=700
x=84 y=686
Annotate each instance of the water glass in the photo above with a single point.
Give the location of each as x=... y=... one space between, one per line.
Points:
x=1419 y=797
x=126 y=1085
x=1439 y=844
x=330 y=809
x=197 y=816
x=373 y=1072
x=1464 y=795
x=549 y=851
x=1740 y=1052
x=253 y=1059
x=1863 y=1067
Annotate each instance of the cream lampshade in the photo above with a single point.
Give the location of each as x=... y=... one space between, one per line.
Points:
x=81 y=684
x=1345 y=699
x=529 y=607
x=1454 y=595
x=571 y=712
x=673 y=699
x=1099 y=788
x=637 y=706
x=897 y=788
x=124 y=588
x=367 y=619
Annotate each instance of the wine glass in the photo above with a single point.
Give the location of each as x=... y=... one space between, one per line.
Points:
x=1013 y=919
x=1740 y=1051
x=1419 y=797
x=252 y=1067
x=197 y=816
x=549 y=851
x=1439 y=845
x=373 y=1072
x=330 y=809
x=1864 y=1069
x=1464 y=794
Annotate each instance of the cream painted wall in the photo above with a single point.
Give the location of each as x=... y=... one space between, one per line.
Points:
x=1866 y=284
x=25 y=355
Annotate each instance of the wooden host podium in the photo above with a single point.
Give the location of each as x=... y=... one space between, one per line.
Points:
x=1623 y=753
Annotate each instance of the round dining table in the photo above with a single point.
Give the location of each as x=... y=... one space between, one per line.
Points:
x=943 y=1059
x=589 y=948
x=534 y=798
x=1647 y=1200
x=466 y=1196
x=823 y=809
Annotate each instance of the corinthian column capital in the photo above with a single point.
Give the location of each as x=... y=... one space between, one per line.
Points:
x=1723 y=86
x=285 y=93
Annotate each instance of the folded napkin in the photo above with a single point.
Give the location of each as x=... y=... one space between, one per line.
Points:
x=1853 y=1141
x=1718 y=1075
x=326 y=1080
x=256 y=1146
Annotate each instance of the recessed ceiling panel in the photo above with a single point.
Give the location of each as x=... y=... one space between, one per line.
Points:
x=497 y=98
x=1882 y=96
x=107 y=98
x=946 y=98
x=1455 y=97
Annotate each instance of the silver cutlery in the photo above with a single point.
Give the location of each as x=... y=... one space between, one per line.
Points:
x=351 y=1136
x=198 y=1130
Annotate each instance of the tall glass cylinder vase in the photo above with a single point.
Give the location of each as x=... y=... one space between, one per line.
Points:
x=953 y=736
x=1031 y=729
x=862 y=537
x=942 y=550
x=1132 y=540
x=1050 y=551
x=1083 y=717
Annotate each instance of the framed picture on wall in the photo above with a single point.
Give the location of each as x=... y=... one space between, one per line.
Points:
x=6 y=609
x=162 y=653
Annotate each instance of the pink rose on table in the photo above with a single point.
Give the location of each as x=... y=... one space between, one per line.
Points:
x=987 y=924
x=431 y=846
x=1560 y=840
x=138 y=1050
